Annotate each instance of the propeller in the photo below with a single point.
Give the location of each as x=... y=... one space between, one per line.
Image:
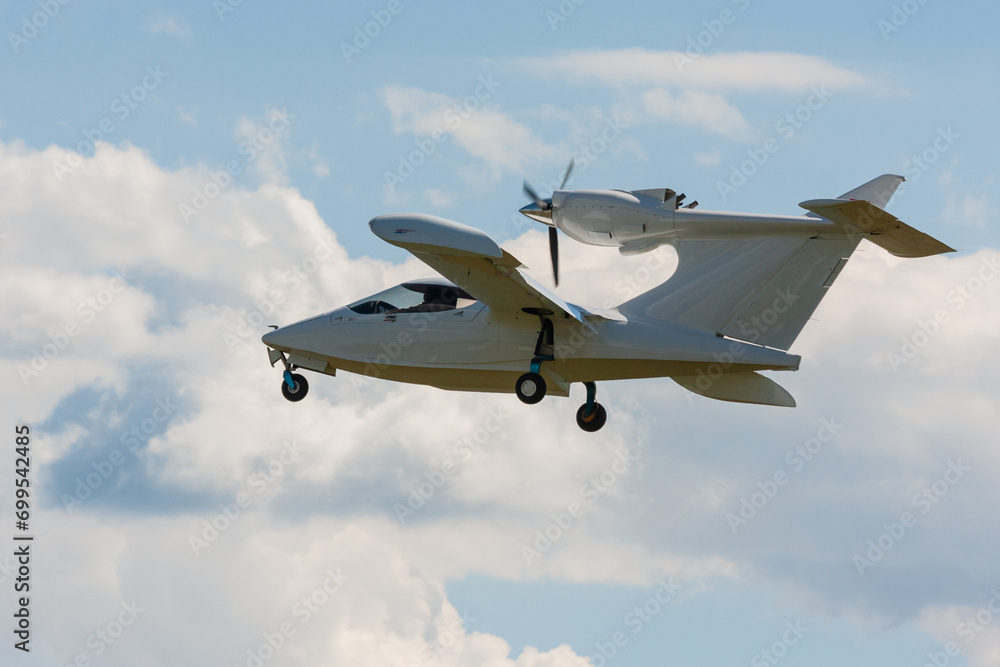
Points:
x=541 y=210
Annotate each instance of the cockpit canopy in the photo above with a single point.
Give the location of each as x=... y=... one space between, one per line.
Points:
x=425 y=296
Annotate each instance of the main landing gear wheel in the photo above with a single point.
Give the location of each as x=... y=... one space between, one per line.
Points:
x=299 y=391
x=530 y=388
x=594 y=421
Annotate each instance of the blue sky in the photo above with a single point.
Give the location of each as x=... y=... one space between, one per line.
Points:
x=446 y=108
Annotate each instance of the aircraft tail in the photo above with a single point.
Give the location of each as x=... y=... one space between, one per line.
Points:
x=877 y=191
x=763 y=290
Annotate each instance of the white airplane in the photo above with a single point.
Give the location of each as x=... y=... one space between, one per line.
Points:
x=744 y=287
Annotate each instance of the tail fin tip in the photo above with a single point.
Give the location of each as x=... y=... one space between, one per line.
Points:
x=877 y=191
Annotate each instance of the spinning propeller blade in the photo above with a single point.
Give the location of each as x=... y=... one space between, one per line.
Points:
x=554 y=253
x=541 y=210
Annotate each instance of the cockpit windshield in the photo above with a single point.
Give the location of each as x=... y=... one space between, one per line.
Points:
x=415 y=297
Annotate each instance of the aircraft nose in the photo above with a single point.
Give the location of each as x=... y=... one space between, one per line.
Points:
x=272 y=338
x=297 y=336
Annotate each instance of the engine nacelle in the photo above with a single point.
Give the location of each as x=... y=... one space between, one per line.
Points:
x=611 y=217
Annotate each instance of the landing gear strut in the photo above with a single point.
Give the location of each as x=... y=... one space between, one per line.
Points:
x=530 y=387
x=294 y=386
x=591 y=416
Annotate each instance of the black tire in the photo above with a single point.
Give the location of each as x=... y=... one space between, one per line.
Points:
x=595 y=421
x=530 y=388
x=300 y=391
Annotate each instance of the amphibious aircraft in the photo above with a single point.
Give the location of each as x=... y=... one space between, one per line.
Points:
x=744 y=287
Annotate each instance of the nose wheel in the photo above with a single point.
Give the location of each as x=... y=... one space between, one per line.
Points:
x=294 y=386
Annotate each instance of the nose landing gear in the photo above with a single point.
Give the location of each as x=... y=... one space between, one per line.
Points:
x=294 y=386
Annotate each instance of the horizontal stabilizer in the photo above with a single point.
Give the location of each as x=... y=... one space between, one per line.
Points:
x=746 y=387
x=878 y=226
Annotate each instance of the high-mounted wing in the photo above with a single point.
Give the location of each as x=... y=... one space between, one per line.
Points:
x=473 y=261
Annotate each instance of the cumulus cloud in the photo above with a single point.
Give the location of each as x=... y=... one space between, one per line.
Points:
x=501 y=142
x=673 y=87
x=707 y=111
x=163 y=379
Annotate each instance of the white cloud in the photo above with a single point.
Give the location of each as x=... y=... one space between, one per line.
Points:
x=489 y=135
x=169 y=25
x=709 y=158
x=706 y=111
x=969 y=211
x=438 y=198
x=748 y=71
x=261 y=143
x=974 y=630
x=188 y=115
x=669 y=86
x=179 y=331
